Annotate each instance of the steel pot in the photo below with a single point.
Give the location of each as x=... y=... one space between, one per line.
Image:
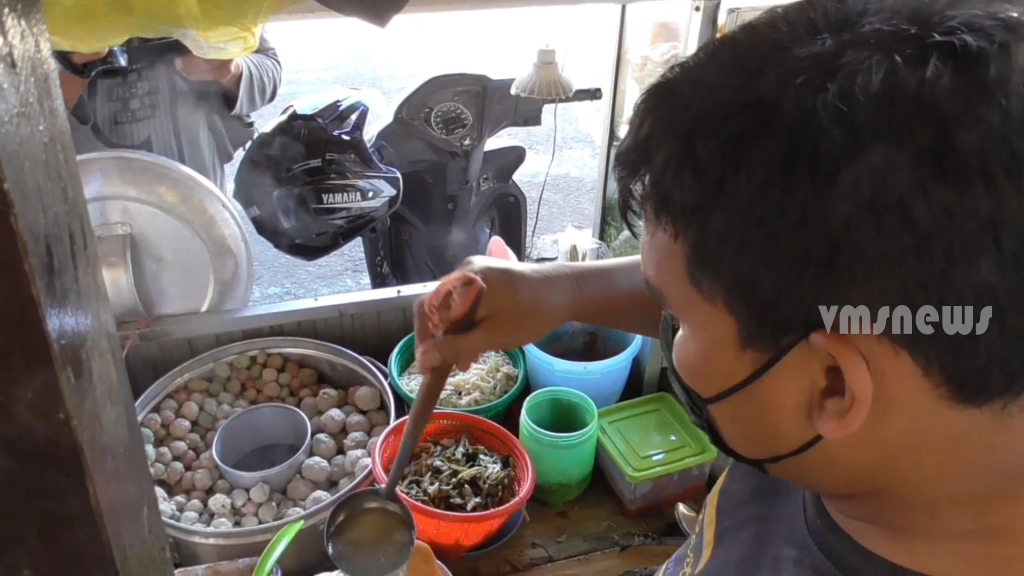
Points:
x=195 y=546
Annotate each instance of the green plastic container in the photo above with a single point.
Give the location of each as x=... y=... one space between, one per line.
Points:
x=559 y=428
x=405 y=354
x=651 y=454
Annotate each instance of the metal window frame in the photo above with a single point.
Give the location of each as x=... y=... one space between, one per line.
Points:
x=614 y=111
x=702 y=17
x=310 y=9
x=353 y=303
x=395 y=302
x=293 y=311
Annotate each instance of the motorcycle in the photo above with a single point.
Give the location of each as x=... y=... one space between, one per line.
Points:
x=457 y=192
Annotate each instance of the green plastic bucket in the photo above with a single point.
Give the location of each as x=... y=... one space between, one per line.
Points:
x=559 y=429
x=405 y=354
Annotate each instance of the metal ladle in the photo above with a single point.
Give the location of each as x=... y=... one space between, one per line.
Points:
x=426 y=400
x=357 y=562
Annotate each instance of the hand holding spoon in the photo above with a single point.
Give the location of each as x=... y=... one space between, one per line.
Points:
x=371 y=532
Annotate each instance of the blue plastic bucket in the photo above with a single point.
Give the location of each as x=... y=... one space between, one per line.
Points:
x=645 y=349
x=594 y=361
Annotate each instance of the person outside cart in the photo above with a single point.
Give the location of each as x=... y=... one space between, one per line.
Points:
x=186 y=108
x=830 y=152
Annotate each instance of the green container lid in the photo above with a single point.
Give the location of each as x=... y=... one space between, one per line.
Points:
x=652 y=436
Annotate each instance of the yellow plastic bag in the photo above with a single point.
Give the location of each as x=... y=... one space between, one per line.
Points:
x=216 y=29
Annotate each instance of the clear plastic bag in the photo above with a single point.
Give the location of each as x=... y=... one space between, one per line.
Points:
x=215 y=29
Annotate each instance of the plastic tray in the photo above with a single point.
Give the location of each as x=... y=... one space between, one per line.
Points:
x=651 y=454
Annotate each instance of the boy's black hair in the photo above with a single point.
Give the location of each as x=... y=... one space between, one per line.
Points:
x=849 y=152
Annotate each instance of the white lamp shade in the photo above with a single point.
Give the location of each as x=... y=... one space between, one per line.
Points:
x=545 y=81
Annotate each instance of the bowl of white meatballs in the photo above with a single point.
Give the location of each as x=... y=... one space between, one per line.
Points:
x=347 y=402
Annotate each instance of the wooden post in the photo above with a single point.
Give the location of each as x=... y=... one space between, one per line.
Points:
x=75 y=488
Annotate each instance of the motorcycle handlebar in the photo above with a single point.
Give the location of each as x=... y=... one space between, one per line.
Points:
x=583 y=95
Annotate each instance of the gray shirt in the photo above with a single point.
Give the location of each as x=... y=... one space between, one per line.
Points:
x=155 y=109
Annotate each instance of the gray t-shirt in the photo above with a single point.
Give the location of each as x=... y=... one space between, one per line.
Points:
x=155 y=109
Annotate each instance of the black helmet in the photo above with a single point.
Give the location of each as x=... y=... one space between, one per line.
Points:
x=310 y=183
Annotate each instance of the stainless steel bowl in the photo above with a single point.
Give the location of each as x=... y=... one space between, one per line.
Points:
x=194 y=546
x=257 y=427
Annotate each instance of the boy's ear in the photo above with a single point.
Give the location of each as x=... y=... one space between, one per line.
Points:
x=844 y=397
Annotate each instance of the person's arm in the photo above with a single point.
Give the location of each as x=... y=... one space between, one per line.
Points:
x=611 y=293
x=521 y=303
x=72 y=87
x=247 y=83
x=258 y=80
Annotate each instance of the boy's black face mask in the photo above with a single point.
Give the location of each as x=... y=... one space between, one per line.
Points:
x=698 y=408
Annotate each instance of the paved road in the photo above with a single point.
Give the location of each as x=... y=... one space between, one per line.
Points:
x=318 y=55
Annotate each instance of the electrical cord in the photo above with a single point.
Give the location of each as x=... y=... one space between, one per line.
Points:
x=547 y=172
x=544 y=182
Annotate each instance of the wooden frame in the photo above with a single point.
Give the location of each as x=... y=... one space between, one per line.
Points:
x=310 y=9
x=78 y=497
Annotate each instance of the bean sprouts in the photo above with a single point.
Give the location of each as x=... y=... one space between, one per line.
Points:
x=489 y=379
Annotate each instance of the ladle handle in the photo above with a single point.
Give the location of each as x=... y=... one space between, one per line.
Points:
x=426 y=400
x=416 y=425
x=114 y=244
x=273 y=552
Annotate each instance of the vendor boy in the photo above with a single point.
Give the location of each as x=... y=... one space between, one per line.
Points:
x=831 y=152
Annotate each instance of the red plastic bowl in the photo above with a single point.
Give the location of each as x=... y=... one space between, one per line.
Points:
x=451 y=534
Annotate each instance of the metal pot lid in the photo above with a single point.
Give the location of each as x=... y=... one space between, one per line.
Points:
x=169 y=241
